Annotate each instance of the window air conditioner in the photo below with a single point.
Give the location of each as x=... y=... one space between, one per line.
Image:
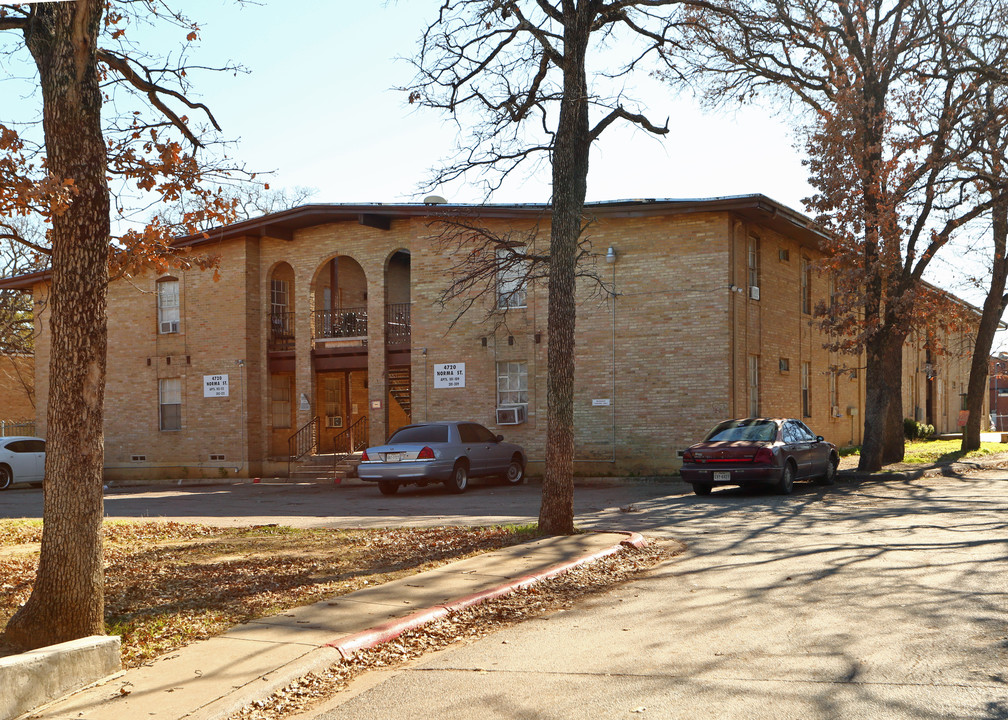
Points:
x=511 y=415
x=334 y=421
x=753 y=292
x=169 y=327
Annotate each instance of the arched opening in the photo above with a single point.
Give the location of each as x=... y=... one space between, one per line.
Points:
x=398 y=324
x=281 y=322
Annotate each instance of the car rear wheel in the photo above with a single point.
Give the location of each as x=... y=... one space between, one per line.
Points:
x=387 y=487
x=786 y=483
x=459 y=478
x=702 y=489
x=6 y=479
x=515 y=472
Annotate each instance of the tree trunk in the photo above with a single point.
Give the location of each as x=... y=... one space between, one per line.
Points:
x=883 y=427
x=993 y=308
x=570 y=182
x=67 y=599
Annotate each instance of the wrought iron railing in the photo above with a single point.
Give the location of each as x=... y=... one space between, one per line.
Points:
x=304 y=441
x=281 y=332
x=342 y=323
x=351 y=440
x=397 y=324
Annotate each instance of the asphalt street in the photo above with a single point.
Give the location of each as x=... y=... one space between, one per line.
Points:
x=878 y=599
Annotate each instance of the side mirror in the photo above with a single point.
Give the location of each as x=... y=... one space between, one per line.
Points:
x=500 y=438
x=819 y=438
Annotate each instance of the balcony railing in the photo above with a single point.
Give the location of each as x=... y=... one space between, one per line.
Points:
x=281 y=332
x=397 y=324
x=342 y=323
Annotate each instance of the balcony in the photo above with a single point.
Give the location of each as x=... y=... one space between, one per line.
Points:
x=397 y=324
x=342 y=324
x=281 y=332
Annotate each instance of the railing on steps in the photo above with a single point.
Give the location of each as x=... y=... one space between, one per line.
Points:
x=351 y=440
x=304 y=441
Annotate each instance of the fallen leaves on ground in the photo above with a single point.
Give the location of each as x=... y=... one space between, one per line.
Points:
x=168 y=584
x=547 y=596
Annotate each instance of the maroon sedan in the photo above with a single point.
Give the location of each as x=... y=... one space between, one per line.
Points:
x=767 y=451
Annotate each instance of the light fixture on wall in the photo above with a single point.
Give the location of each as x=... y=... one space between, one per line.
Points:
x=610 y=256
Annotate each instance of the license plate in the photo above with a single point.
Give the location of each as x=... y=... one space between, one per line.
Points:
x=722 y=477
x=393 y=457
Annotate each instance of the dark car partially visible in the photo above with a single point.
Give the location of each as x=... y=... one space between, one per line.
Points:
x=758 y=451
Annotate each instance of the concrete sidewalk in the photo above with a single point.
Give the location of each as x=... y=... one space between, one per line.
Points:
x=213 y=678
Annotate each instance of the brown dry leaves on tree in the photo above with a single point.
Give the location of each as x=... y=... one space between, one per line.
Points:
x=168 y=584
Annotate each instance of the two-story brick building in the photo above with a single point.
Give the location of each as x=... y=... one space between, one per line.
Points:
x=329 y=314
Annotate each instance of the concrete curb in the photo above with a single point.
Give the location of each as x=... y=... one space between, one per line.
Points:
x=949 y=469
x=37 y=677
x=389 y=631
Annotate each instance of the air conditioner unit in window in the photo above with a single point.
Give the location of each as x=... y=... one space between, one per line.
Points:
x=753 y=292
x=169 y=327
x=334 y=421
x=511 y=415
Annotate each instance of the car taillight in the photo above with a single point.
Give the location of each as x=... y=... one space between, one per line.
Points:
x=687 y=457
x=763 y=456
x=425 y=454
x=364 y=457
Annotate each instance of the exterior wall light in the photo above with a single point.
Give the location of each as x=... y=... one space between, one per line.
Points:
x=610 y=256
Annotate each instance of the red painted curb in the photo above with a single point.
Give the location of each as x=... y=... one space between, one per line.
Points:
x=385 y=632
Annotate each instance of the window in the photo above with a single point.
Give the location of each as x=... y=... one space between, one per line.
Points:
x=753 y=385
x=510 y=280
x=278 y=297
x=753 y=263
x=168 y=305
x=170 y=392
x=512 y=383
x=784 y=365
x=332 y=389
x=280 y=398
x=784 y=255
x=834 y=400
x=473 y=433
x=806 y=286
x=806 y=370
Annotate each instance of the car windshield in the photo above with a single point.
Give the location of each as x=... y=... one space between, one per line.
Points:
x=744 y=430
x=421 y=434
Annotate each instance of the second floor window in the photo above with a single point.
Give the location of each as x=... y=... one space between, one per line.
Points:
x=806 y=286
x=510 y=281
x=753 y=261
x=168 y=305
x=278 y=297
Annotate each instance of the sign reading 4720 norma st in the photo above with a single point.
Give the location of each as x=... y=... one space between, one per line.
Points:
x=450 y=375
x=215 y=386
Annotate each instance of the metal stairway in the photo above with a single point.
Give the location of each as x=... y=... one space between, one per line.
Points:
x=399 y=387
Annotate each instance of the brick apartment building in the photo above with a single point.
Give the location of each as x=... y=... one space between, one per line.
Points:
x=331 y=312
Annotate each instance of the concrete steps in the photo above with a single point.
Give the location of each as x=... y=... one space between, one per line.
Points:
x=320 y=468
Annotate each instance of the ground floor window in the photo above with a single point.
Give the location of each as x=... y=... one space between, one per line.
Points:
x=512 y=383
x=806 y=405
x=753 y=385
x=170 y=401
x=280 y=399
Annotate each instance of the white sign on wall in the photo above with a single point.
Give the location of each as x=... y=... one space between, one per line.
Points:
x=215 y=386
x=450 y=375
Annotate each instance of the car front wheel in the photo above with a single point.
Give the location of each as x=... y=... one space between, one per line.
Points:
x=6 y=479
x=786 y=483
x=459 y=479
x=515 y=473
x=831 y=470
x=387 y=488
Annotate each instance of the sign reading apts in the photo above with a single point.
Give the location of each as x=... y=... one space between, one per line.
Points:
x=449 y=375
x=215 y=386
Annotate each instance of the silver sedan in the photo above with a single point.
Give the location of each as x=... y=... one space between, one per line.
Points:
x=22 y=459
x=445 y=452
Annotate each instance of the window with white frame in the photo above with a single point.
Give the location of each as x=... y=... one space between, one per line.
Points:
x=170 y=403
x=168 y=305
x=511 y=291
x=278 y=297
x=753 y=262
x=834 y=399
x=512 y=383
x=753 y=385
x=806 y=371
x=280 y=400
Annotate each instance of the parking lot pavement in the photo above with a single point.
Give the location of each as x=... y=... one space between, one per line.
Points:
x=354 y=505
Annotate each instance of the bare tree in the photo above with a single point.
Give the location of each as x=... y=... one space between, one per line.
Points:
x=514 y=74
x=147 y=145
x=879 y=88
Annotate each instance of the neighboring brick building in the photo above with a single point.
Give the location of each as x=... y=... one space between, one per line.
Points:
x=331 y=311
x=997 y=377
x=17 y=394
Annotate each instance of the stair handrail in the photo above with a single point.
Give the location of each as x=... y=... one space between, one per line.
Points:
x=302 y=442
x=352 y=439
